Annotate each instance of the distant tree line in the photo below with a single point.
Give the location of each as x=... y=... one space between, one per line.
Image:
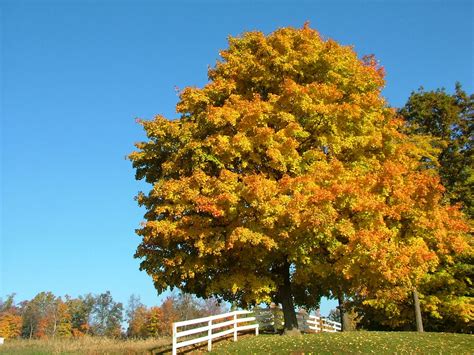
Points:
x=49 y=316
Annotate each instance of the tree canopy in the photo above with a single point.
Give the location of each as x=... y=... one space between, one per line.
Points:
x=443 y=124
x=448 y=120
x=286 y=178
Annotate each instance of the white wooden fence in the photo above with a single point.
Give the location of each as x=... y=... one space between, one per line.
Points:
x=319 y=324
x=211 y=323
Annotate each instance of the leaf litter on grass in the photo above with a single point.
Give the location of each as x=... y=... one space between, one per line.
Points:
x=361 y=342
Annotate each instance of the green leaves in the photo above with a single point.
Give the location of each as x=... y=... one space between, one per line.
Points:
x=446 y=122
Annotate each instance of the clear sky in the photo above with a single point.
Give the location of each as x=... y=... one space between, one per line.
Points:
x=76 y=74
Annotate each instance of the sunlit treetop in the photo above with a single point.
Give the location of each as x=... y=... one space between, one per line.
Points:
x=281 y=98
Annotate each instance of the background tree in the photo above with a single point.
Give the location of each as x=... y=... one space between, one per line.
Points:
x=270 y=318
x=8 y=303
x=442 y=122
x=10 y=324
x=80 y=310
x=138 y=323
x=107 y=315
x=449 y=120
x=46 y=316
x=211 y=306
x=133 y=304
x=10 y=318
x=169 y=314
x=135 y=314
x=335 y=315
x=286 y=165
x=155 y=324
x=448 y=296
x=40 y=316
x=186 y=306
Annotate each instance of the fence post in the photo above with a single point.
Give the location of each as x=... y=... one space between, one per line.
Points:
x=235 y=327
x=209 y=334
x=174 y=339
x=321 y=324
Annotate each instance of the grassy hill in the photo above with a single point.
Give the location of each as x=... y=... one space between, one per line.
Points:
x=352 y=343
x=325 y=343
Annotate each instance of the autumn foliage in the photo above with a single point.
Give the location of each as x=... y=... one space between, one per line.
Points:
x=441 y=124
x=286 y=178
x=10 y=325
x=48 y=317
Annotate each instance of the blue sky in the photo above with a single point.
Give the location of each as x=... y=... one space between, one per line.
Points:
x=76 y=74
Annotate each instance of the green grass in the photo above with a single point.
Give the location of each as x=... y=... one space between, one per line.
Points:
x=352 y=343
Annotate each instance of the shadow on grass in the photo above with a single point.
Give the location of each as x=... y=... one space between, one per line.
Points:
x=200 y=347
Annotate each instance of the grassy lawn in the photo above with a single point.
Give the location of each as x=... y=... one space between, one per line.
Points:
x=352 y=342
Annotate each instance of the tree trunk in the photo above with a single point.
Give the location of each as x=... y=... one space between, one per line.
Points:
x=343 y=314
x=55 y=322
x=55 y=327
x=286 y=298
x=419 y=321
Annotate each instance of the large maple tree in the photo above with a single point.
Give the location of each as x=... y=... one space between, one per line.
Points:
x=285 y=178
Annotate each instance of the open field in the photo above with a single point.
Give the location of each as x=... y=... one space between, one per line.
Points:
x=322 y=343
x=87 y=345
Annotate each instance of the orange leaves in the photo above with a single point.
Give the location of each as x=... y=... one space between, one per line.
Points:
x=222 y=115
x=10 y=325
x=257 y=189
x=207 y=205
x=154 y=321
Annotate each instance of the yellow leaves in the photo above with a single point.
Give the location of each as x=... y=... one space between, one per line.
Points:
x=219 y=90
x=277 y=160
x=257 y=189
x=250 y=287
x=346 y=228
x=242 y=143
x=10 y=324
x=192 y=100
x=293 y=130
x=245 y=236
x=160 y=227
x=222 y=115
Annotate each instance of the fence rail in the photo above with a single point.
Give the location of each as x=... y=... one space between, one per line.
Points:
x=320 y=324
x=211 y=323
